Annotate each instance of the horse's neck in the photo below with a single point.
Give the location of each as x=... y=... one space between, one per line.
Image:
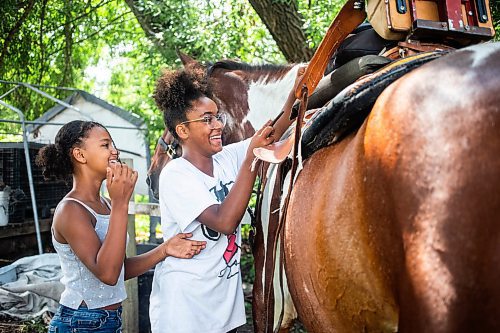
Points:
x=266 y=99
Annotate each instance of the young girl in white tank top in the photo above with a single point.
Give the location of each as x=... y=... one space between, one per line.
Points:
x=90 y=234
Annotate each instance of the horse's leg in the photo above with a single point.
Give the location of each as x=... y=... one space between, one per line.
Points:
x=263 y=243
x=436 y=135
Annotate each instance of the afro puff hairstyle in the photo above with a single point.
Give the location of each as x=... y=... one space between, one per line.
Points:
x=175 y=92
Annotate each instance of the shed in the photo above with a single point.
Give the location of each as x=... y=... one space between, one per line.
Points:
x=127 y=129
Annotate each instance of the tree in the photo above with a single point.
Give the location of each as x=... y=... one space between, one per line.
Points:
x=296 y=27
x=285 y=24
x=206 y=30
x=495 y=13
x=51 y=43
x=54 y=42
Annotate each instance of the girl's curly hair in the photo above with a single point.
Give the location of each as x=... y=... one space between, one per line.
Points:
x=176 y=90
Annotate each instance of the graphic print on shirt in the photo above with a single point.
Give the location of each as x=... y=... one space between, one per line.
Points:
x=232 y=265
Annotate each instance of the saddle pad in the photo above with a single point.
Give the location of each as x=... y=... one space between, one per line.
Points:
x=333 y=83
x=347 y=111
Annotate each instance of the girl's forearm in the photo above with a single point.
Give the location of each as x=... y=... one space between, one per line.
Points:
x=111 y=255
x=226 y=217
x=140 y=264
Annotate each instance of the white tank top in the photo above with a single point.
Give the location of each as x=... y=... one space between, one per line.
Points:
x=79 y=283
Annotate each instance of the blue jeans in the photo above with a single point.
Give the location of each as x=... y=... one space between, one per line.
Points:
x=67 y=320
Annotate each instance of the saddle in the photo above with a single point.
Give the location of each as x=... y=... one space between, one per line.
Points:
x=460 y=22
x=341 y=103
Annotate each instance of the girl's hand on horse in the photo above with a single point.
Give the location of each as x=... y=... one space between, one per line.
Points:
x=263 y=137
x=120 y=181
x=180 y=246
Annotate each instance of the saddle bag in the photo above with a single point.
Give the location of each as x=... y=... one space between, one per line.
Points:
x=462 y=21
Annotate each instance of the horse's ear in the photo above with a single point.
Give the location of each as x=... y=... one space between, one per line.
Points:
x=186 y=60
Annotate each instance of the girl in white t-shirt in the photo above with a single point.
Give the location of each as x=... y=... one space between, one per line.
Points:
x=205 y=192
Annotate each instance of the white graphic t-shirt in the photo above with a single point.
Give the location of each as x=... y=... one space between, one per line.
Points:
x=202 y=294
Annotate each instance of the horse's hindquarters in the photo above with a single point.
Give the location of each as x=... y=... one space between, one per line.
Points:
x=402 y=217
x=436 y=134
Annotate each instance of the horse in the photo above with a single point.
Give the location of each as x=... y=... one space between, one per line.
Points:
x=395 y=227
x=401 y=231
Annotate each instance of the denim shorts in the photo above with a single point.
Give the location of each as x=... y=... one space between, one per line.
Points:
x=67 y=320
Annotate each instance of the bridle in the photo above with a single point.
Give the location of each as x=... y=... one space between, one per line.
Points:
x=169 y=148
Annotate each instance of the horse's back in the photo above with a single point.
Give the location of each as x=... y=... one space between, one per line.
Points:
x=403 y=216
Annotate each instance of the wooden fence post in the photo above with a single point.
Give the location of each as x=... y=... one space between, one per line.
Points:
x=131 y=304
x=130 y=313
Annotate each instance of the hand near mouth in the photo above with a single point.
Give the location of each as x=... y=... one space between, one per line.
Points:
x=120 y=181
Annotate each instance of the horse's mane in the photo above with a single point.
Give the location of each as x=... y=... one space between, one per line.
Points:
x=232 y=65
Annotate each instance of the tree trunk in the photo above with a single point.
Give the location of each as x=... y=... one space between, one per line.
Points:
x=284 y=22
x=281 y=18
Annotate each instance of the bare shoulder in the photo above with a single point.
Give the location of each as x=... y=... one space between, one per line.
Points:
x=71 y=218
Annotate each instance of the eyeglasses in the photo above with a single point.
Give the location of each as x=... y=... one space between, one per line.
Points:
x=210 y=120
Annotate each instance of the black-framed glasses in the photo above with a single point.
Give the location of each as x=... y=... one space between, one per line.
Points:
x=210 y=120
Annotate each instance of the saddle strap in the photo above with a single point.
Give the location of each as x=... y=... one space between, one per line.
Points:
x=350 y=16
x=270 y=255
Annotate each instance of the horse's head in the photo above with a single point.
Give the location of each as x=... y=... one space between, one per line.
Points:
x=167 y=148
x=249 y=95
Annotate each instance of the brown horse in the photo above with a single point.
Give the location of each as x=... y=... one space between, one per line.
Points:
x=397 y=227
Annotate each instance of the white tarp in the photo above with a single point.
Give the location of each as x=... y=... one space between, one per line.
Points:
x=36 y=290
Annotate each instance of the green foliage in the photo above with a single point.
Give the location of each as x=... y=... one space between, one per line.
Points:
x=53 y=44
x=142 y=228
x=58 y=42
x=318 y=15
x=495 y=13
x=209 y=30
x=35 y=326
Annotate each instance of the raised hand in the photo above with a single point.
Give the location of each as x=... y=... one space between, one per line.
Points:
x=300 y=73
x=120 y=181
x=180 y=246
x=263 y=137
